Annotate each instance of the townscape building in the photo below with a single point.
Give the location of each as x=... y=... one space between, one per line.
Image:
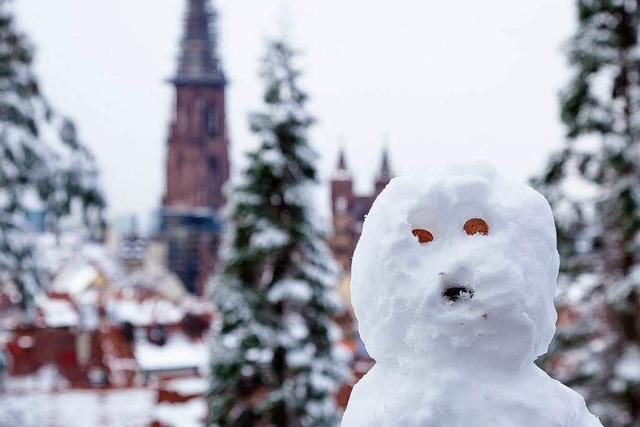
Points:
x=349 y=208
x=197 y=163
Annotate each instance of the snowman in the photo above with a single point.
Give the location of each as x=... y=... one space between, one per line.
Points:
x=452 y=284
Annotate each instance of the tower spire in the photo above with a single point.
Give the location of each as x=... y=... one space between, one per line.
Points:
x=385 y=167
x=385 y=174
x=342 y=171
x=342 y=160
x=198 y=60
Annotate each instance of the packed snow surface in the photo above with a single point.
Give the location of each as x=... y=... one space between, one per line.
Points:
x=79 y=408
x=456 y=311
x=189 y=414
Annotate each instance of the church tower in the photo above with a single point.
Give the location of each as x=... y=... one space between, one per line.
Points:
x=198 y=159
x=342 y=197
x=348 y=209
x=197 y=163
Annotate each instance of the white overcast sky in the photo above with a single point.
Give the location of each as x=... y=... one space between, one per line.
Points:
x=440 y=81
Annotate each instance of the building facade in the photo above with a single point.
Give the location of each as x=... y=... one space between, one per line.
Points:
x=197 y=163
x=349 y=209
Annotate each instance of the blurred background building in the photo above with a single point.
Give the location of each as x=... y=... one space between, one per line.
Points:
x=348 y=208
x=197 y=153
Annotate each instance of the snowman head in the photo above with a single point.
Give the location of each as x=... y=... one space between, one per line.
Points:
x=457 y=267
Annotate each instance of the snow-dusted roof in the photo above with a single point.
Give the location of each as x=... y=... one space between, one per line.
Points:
x=75 y=264
x=179 y=352
x=75 y=278
x=187 y=386
x=57 y=313
x=158 y=279
x=144 y=313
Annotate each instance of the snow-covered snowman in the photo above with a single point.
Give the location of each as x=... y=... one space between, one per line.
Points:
x=452 y=284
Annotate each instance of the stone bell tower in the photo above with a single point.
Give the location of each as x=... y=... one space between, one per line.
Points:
x=197 y=163
x=198 y=160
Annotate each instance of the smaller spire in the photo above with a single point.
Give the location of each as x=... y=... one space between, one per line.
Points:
x=385 y=175
x=342 y=171
x=385 y=168
x=342 y=160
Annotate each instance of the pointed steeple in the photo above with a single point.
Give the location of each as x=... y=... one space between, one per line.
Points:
x=385 y=167
x=385 y=174
x=199 y=62
x=342 y=171
x=342 y=160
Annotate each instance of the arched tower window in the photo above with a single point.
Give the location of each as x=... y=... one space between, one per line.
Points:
x=213 y=164
x=341 y=204
x=211 y=121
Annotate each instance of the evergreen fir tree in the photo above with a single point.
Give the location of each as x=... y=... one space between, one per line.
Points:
x=594 y=188
x=275 y=359
x=42 y=164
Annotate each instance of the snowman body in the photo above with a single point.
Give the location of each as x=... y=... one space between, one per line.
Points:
x=452 y=284
x=388 y=397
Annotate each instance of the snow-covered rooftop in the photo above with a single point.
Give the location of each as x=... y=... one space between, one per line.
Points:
x=179 y=352
x=57 y=313
x=75 y=278
x=187 y=386
x=145 y=312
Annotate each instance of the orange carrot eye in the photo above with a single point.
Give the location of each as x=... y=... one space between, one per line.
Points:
x=424 y=236
x=475 y=226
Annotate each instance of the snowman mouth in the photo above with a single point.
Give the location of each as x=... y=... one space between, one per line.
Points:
x=457 y=293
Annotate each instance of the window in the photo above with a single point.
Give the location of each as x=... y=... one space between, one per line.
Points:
x=341 y=204
x=211 y=121
x=213 y=164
